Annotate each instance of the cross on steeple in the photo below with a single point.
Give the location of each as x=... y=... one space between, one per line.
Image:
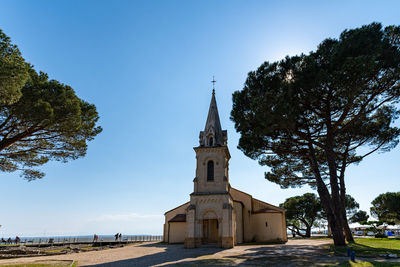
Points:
x=213 y=82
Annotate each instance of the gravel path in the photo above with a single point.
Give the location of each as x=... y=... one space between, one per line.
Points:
x=293 y=253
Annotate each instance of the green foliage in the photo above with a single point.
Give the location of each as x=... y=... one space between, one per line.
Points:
x=347 y=89
x=41 y=121
x=380 y=235
x=306 y=116
x=351 y=205
x=13 y=71
x=364 y=263
x=386 y=207
x=359 y=217
x=351 y=208
x=302 y=212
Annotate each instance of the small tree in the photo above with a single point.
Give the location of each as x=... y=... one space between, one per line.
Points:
x=302 y=213
x=386 y=207
x=359 y=217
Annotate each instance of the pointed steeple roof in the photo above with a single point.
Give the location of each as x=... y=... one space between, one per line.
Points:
x=213 y=135
x=213 y=117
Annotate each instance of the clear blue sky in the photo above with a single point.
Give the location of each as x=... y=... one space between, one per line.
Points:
x=147 y=66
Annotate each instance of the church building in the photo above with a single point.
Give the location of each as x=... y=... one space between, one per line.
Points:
x=218 y=213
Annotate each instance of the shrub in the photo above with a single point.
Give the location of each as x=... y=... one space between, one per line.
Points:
x=380 y=235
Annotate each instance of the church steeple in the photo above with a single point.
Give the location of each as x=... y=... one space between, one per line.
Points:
x=213 y=135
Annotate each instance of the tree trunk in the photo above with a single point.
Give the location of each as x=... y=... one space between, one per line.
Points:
x=330 y=205
x=346 y=227
x=297 y=231
x=336 y=229
x=345 y=223
x=308 y=232
x=334 y=221
x=336 y=216
x=293 y=234
x=347 y=231
x=329 y=230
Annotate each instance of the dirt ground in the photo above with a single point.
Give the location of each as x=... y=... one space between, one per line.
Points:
x=17 y=251
x=293 y=253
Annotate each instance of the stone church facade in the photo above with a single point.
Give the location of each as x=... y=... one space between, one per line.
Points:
x=218 y=213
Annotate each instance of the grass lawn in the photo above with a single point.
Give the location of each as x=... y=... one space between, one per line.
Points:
x=367 y=264
x=371 y=247
x=308 y=238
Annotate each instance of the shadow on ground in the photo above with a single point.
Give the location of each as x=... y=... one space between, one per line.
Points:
x=277 y=255
x=263 y=255
x=172 y=253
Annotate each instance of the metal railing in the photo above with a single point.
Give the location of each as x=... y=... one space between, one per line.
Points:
x=84 y=239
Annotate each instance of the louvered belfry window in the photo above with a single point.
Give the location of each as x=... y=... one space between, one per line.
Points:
x=210 y=171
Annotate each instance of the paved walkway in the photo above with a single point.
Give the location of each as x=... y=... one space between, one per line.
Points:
x=293 y=253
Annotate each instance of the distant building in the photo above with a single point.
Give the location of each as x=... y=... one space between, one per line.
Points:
x=216 y=212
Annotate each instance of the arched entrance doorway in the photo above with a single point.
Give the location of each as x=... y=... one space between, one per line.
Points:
x=210 y=227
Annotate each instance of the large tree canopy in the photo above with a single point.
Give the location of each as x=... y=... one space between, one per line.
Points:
x=386 y=207
x=306 y=116
x=41 y=120
x=13 y=71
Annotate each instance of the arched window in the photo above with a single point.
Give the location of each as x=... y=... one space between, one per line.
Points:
x=210 y=171
x=210 y=141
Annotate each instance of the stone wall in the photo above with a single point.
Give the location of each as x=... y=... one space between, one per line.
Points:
x=220 y=183
x=177 y=232
x=206 y=207
x=246 y=212
x=267 y=227
x=171 y=214
x=238 y=207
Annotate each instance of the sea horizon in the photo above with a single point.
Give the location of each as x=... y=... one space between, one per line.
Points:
x=79 y=238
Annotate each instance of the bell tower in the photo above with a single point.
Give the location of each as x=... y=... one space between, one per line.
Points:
x=210 y=217
x=212 y=155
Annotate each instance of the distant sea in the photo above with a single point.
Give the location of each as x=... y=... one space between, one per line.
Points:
x=85 y=238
